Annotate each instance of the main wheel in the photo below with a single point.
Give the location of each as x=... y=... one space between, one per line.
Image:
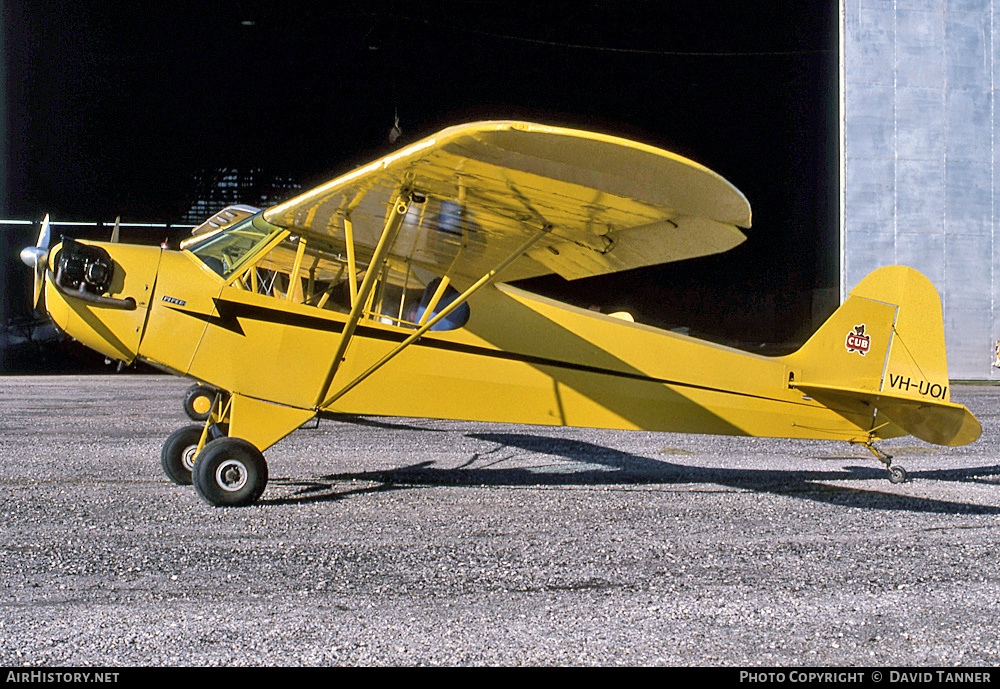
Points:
x=230 y=472
x=178 y=454
x=198 y=400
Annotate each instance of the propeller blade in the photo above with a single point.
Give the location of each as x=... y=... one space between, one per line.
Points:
x=36 y=257
x=114 y=232
x=44 y=234
x=37 y=293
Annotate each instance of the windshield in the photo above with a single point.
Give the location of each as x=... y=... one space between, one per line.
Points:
x=223 y=251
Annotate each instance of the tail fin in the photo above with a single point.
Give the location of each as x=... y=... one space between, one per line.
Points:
x=884 y=349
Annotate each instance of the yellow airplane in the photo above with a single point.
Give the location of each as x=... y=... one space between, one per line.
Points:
x=384 y=292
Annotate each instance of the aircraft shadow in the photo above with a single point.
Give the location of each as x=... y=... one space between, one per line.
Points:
x=615 y=467
x=374 y=422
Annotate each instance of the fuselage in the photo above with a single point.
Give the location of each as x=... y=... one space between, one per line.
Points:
x=519 y=358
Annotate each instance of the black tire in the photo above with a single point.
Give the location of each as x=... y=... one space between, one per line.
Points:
x=179 y=452
x=198 y=401
x=230 y=472
x=897 y=474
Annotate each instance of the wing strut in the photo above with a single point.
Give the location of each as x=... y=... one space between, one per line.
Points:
x=352 y=275
x=392 y=225
x=461 y=299
x=438 y=293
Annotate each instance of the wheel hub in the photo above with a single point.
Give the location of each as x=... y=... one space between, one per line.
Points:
x=188 y=456
x=231 y=475
x=202 y=404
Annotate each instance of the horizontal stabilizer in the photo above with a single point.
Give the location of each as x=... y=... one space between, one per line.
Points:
x=938 y=423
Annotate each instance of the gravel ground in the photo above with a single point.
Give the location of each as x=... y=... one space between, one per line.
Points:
x=415 y=542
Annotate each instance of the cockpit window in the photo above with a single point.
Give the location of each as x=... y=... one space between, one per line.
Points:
x=223 y=251
x=270 y=261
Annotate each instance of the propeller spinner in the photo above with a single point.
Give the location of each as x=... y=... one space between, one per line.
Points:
x=36 y=257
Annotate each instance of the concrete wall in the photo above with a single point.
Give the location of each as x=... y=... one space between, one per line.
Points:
x=4 y=191
x=920 y=137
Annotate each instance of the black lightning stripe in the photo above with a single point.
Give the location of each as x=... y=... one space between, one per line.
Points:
x=229 y=313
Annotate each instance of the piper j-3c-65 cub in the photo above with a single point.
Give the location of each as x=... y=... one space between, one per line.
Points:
x=383 y=292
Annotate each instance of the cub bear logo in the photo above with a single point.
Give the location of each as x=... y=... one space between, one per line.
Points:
x=857 y=341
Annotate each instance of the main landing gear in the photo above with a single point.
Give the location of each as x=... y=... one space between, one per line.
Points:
x=897 y=474
x=228 y=472
x=225 y=471
x=223 y=457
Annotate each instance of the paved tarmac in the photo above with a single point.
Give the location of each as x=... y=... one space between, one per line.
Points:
x=415 y=542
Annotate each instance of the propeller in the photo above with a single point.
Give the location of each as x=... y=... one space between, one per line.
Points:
x=114 y=232
x=36 y=257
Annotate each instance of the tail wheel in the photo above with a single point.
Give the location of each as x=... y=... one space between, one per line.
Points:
x=230 y=472
x=897 y=474
x=198 y=400
x=178 y=454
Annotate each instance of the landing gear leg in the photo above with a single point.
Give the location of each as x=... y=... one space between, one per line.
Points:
x=897 y=474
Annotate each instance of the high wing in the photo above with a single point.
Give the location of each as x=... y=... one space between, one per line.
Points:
x=607 y=204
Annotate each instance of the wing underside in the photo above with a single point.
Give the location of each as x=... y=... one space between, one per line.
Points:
x=481 y=190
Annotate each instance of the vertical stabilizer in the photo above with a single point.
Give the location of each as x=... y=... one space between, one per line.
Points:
x=887 y=336
x=917 y=365
x=883 y=351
